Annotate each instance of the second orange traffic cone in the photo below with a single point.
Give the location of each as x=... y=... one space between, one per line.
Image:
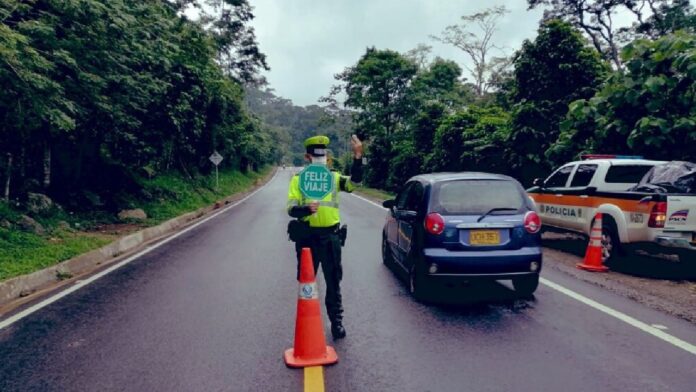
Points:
x=310 y=347
x=593 y=257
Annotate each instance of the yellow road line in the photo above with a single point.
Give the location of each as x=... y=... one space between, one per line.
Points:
x=314 y=379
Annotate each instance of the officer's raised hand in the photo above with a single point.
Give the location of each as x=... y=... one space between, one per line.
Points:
x=357 y=146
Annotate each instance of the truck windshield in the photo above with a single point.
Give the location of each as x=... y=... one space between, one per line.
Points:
x=476 y=197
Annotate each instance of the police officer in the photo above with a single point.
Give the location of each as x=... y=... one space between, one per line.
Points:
x=322 y=221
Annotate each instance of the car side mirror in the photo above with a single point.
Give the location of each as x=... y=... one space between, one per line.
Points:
x=538 y=182
x=406 y=215
x=388 y=204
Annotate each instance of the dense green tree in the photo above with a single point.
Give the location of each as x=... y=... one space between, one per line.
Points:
x=471 y=139
x=97 y=92
x=650 y=110
x=597 y=19
x=668 y=18
x=555 y=69
x=375 y=88
x=376 y=91
x=434 y=91
x=485 y=142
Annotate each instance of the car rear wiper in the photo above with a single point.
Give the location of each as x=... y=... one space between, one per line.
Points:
x=494 y=210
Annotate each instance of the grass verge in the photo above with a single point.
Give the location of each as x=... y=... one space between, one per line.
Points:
x=69 y=235
x=375 y=194
x=175 y=195
x=22 y=253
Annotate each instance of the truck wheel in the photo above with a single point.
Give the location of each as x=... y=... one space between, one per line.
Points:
x=611 y=244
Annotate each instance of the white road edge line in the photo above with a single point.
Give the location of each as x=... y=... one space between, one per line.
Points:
x=368 y=200
x=80 y=284
x=686 y=346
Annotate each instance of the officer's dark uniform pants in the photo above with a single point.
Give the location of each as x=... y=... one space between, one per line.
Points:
x=326 y=250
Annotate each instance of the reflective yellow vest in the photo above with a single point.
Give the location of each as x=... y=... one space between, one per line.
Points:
x=327 y=215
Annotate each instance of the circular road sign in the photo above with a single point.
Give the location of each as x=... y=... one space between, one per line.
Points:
x=316 y=181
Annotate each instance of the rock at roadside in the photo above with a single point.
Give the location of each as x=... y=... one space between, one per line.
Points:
x=38 y=203
x=28 y=224
x=137 y=214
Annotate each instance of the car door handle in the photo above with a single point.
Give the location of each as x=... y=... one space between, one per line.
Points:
x=559 y=195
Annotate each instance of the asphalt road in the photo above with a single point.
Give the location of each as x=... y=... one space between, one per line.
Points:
x=213 y=310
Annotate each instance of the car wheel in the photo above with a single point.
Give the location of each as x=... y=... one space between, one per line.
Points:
x=611 y=245
x=416 y=284
x=387 y=258
x=526 y=285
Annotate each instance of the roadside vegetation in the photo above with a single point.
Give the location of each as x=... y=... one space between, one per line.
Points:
x=374 y=194
x=582 y=85
x=109 y=111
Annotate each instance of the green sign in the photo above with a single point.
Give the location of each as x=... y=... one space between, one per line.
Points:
x=316 y=181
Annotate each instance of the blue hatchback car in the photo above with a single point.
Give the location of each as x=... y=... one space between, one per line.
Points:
x=463 y=226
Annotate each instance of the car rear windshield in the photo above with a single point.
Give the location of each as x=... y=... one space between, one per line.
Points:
x=475 y=197
x=628 y=174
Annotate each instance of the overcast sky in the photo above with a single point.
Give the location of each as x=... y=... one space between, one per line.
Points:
x=308 y=41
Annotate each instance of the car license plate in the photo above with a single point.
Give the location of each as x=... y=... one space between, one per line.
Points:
x=484 y=237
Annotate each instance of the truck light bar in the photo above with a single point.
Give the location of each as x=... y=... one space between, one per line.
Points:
x=609 y=156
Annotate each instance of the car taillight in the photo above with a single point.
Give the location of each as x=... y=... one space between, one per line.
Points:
x=658 y=215
x=532 y=222
x=434 y=223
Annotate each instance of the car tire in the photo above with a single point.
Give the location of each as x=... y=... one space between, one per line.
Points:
x=416 y=284
x=527 y=285
x=387 y=258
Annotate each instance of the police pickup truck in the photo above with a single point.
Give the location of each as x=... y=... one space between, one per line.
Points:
x=655 y=222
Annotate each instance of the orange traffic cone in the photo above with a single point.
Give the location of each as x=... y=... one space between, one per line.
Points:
x=593 y=256
x=310 y=343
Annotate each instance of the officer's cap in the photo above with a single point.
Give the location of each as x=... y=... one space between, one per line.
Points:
x=316 y=145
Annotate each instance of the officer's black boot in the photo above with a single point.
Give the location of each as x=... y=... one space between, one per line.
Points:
x=337 y=330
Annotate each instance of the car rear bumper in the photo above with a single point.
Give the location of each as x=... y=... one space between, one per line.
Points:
x=455 y=278
x=499 y=264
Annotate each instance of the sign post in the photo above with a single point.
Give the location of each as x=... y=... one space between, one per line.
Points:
x=316 y=182
x=216 y=158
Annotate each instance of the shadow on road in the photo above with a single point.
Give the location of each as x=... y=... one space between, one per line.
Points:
x=478 y=298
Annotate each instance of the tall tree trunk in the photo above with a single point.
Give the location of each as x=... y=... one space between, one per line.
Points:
x=47 y=166
x=8 y=177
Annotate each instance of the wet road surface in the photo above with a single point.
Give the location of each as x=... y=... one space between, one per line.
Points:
x=213 y=310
